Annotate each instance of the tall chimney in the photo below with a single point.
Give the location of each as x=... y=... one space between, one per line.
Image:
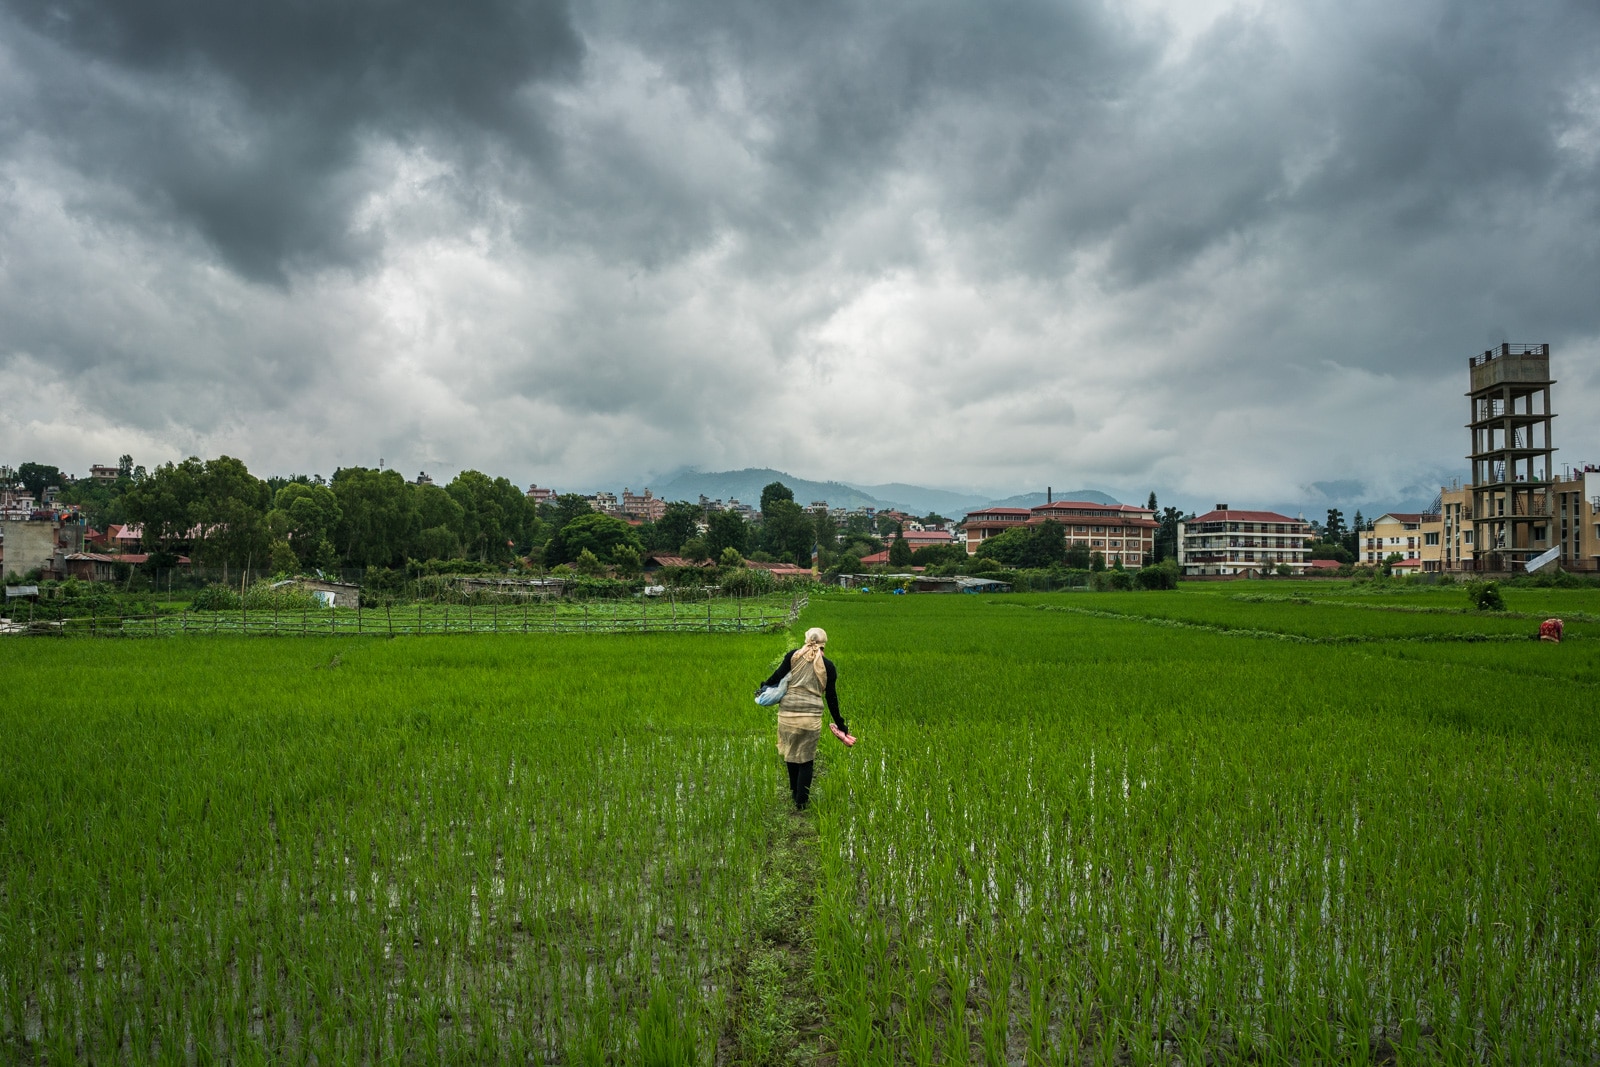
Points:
x=1047 y=494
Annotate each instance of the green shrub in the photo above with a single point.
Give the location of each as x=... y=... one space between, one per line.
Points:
x=746 y=581
x=1163 y=575
x=1485 y=596
x=215 y=597
x=263 y=597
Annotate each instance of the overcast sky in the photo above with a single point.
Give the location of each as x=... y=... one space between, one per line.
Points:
x=1223 y=251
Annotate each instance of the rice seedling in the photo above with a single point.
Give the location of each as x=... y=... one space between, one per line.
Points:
x=1151 y=828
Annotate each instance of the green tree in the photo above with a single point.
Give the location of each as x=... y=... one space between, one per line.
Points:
x=1163 y=575
x=305 y=516
x=938 y=555
x=695 y=550
x=232 y=514
x=725 y=530
x=729 y=557
x=1077 y=557
x=569 y=506
x=439 y=522
x=1333 y=530
x=378 y=516
x=495 y=515
x=1166 y=539
x=283 y=559
x=786 y=532
x=1032 y=546
x=627 y=561
x=167 y=504
x=37 y=477
x=773 y=492
x=598 y=534
x=1352 y=538
x=1329 y=550
x=899 y=551
x=588 y=563
x=675 y=526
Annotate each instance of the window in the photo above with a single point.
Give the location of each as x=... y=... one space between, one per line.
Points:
x=1430 y=539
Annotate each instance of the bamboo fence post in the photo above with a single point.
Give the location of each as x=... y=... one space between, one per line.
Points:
x=419 y=617
x=388 y=617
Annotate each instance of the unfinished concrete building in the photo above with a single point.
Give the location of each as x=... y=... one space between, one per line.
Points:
x=1512 y=455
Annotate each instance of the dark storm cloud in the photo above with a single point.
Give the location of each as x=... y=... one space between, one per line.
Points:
x=502 y=225
x=245 y=120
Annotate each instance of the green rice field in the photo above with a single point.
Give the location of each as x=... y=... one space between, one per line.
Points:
x=1235 y=823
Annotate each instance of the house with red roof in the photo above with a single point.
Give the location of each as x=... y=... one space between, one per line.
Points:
x=1116 y=531
x=1232 y=542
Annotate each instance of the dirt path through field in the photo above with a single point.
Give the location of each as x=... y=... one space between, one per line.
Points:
x=776 y=1016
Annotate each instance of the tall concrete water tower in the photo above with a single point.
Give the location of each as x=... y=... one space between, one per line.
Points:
x=1512 y=457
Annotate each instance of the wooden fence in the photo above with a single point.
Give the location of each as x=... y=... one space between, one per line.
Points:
x=727 y=615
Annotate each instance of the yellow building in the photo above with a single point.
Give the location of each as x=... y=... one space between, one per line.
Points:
x=1575 y=514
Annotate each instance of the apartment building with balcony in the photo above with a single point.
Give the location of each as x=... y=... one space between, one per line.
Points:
x=1227 y=541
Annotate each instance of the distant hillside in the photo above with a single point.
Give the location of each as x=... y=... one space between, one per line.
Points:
x=920 y=500
x=746 y=485
x=1033 y=500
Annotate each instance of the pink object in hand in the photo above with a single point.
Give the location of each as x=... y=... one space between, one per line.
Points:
x=841 y=735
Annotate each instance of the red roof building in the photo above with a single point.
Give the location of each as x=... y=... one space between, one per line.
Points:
x=1116 y=531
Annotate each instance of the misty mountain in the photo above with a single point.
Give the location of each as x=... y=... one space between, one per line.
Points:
x=746 y=485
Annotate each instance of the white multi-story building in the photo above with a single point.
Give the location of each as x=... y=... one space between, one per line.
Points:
x=1225 y=541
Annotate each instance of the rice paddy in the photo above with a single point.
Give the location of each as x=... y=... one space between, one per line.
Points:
x=1081 y=828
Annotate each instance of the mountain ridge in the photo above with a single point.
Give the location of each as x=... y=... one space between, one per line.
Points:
x=745 y=486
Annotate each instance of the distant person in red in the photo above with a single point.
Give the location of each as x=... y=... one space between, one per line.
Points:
x=1550 y=630
x=813 y=682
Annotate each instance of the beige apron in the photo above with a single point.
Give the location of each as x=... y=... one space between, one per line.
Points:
x=800 y=715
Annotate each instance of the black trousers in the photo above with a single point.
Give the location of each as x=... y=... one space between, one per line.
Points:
x=800 y=782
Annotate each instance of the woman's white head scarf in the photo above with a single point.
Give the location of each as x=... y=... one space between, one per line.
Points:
x=811 y=652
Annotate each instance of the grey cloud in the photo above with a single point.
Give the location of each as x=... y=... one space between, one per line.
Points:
x=678 y=207
x=245 y=121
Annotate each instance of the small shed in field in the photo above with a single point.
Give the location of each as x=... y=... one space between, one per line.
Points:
x=331 y=594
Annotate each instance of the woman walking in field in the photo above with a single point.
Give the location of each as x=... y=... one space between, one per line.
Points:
x=812 y=682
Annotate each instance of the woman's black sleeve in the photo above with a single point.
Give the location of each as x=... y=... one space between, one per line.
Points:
x=783 y=669
x=832 y=694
